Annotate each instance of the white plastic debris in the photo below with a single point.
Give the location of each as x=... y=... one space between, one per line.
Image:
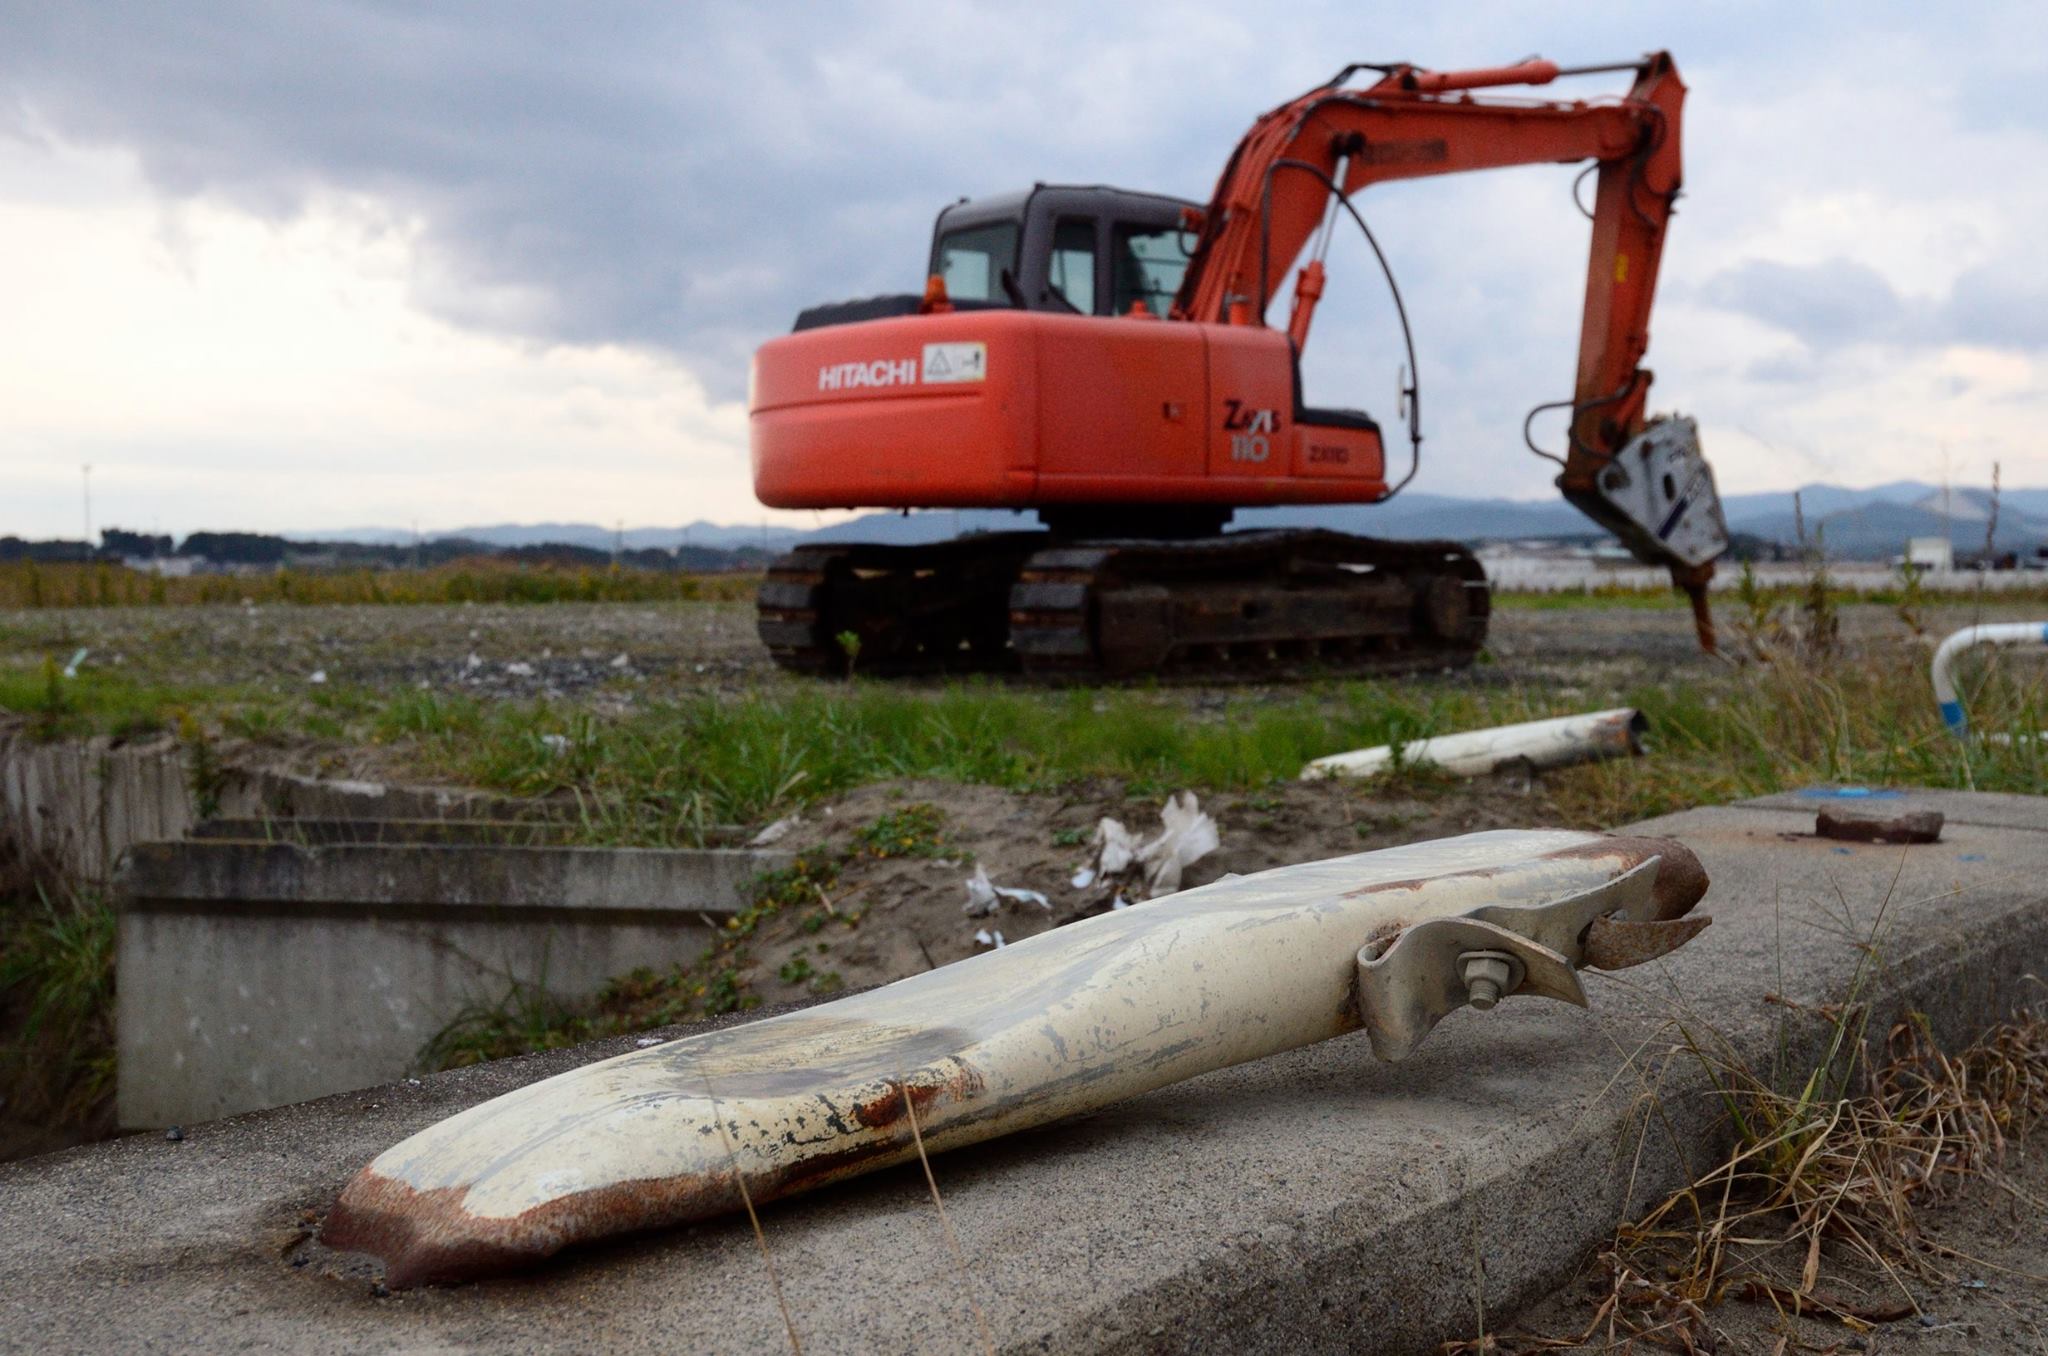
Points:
x=622 y=661
x=317 y=676
x=646 y=1041
x=984 y=897
x=1115 y=848
x=1186 y=835
x=519 y=668
x=557 y=744
x=71 y=669
x=775 y=832
x=472 y=663
x=987 y=938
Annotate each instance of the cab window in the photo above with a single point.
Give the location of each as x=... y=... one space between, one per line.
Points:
x=1072 y=269
x=1149 y=262
x=973 y=259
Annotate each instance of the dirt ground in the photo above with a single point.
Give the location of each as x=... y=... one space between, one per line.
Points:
x=630 y=652
x=883 y=918
x=1984 y=1289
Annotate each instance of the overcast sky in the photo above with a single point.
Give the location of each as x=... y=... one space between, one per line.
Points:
x=333 y=263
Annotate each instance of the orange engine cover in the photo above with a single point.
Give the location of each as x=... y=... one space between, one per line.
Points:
x=1017 y=409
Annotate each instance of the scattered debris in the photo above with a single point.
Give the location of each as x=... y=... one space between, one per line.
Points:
x=986 y=938
x=1532 y=746
x=1907 y=826
x=775 y=832
x=557 y=744
x=519 y=668
x=623 y=661
x=984 y=897
x=317 y=677
x=1186 y=836
x=71 y=669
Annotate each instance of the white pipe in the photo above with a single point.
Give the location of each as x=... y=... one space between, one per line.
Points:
x=2033 y=635
x=1541 y=744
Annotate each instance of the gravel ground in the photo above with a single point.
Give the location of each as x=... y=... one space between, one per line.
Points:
x=618 y=651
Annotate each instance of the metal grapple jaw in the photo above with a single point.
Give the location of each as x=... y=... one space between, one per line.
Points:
x=1410 y=982
x=1657 y=495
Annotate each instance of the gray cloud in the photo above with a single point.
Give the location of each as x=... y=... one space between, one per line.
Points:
x=687 y=177
x=1839 y=302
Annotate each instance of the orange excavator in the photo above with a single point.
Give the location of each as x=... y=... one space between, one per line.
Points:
x=1105 y=359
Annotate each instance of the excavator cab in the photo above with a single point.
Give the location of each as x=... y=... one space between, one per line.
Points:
x=1084 y=251
x=1062 y=249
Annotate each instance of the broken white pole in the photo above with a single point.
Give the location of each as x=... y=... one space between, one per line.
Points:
x=1060 y=1024
x=2029 y=635
x=1537 y=745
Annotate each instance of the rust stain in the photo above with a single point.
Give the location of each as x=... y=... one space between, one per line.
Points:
x=427 y=1237
x=1616 y=944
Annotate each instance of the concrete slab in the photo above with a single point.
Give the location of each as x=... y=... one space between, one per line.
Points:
x=258 y=973
x=1316 y=1201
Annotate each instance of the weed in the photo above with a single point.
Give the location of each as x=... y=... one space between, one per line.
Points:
x=57 y=981
x=526 y=1018
x=913 y=831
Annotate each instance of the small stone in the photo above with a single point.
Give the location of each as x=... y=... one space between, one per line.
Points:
x=1851 y=826
x=176 y=1134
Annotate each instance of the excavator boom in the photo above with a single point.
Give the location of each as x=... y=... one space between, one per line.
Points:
x=1654 y=491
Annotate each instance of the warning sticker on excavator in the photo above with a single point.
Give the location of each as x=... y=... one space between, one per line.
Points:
x=955 y=362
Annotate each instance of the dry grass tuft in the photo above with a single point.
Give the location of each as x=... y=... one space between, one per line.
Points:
x=1833 y=1171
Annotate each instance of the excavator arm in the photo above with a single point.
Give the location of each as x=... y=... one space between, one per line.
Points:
x=1278 y=195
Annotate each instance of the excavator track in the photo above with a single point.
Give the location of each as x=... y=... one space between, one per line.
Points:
x=1247 y=606
x=894 y=611
x=1241 y=607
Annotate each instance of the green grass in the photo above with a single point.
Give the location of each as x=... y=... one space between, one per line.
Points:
x=56 y=1005
x=672 y=772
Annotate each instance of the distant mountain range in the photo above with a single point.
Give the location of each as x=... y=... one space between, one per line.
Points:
x=1871 y=523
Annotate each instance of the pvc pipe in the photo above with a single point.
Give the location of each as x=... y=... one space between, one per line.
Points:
x=2033 y=635
x=1540 y=744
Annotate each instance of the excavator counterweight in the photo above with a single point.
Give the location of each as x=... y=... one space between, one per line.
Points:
x=1103 y=358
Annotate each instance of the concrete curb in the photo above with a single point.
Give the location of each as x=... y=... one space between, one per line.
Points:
x=1316 y=1201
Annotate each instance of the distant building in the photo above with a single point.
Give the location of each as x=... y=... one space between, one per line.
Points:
x=1930 y=553
x=167 y=567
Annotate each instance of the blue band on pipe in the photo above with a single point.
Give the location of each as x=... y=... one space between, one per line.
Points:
x=2044 y=633
x=1952 y=714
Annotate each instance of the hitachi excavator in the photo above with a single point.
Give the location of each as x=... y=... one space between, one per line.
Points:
x=1105 y=359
